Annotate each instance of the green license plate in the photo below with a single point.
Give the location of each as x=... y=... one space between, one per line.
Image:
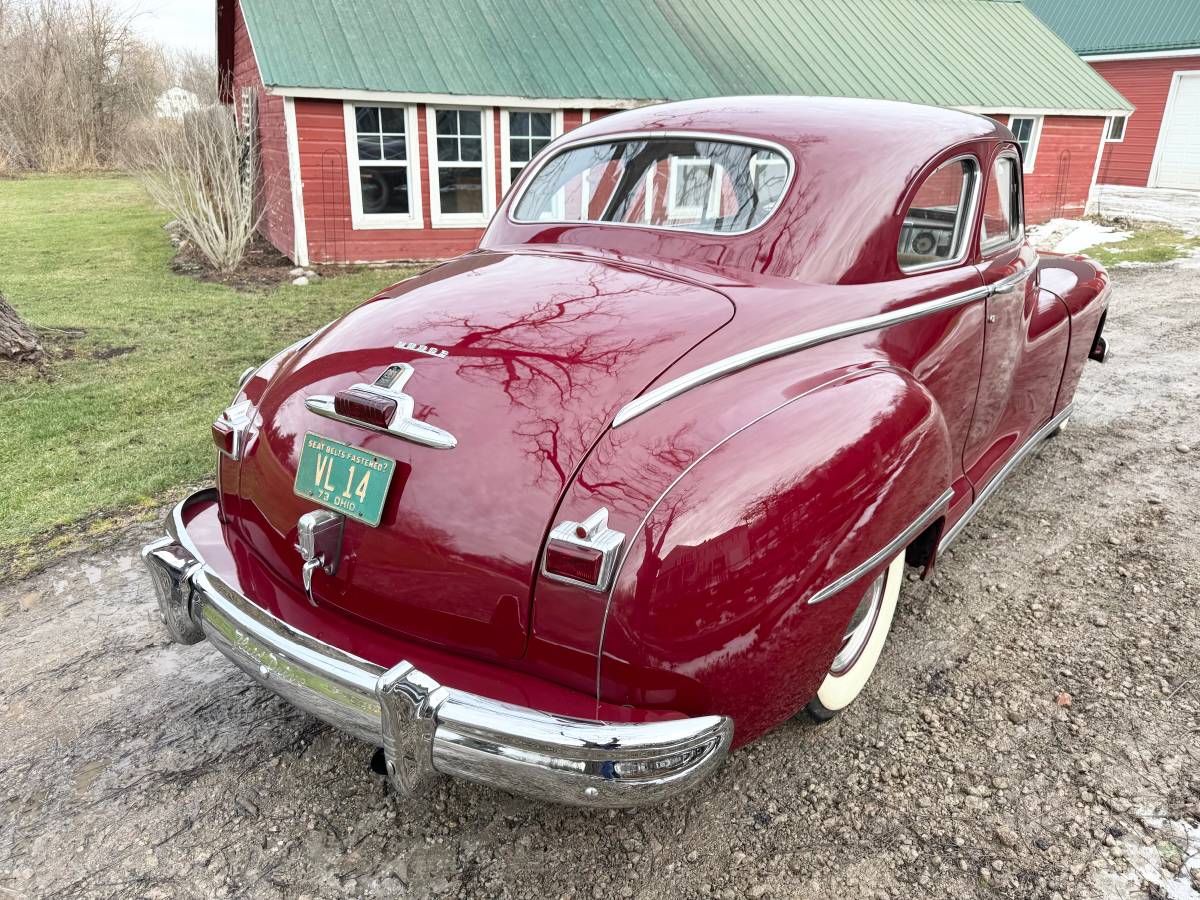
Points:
x=344 y=478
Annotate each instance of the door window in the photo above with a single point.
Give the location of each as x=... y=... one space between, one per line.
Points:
x=1002 y=205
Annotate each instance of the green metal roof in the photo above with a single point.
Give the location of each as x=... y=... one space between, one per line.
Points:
x=984 y=54
x=1122 y=26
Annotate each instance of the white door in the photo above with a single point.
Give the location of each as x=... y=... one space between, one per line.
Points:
x=1178 y=163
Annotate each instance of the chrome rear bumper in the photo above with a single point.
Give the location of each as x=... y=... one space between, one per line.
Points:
x=426 y=728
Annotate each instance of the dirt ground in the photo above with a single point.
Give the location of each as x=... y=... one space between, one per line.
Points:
x=1033 y=729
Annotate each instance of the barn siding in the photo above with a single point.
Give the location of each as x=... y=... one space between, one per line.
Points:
x=275 y=196
x=324 y=173
x=1145 y=83
x=1058 y=186
x=1061 y=178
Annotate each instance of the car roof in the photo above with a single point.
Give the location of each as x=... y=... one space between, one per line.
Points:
x=912 y=129
x=854 y=161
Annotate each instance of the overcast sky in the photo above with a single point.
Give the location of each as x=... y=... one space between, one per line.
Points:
x=177 y=24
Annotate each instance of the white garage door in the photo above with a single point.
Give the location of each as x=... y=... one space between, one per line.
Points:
x=1179 y=145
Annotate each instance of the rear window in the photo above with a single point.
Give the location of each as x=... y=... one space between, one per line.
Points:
x=685 y=183
x=935 y=227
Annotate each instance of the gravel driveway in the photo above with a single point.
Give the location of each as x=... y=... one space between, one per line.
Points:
x=1032 y=731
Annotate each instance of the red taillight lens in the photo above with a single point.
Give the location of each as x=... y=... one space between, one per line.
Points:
x=225 y=436
x=569 y=561
x=364 y=406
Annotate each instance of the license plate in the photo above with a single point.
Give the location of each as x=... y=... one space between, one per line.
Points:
x=344 y=478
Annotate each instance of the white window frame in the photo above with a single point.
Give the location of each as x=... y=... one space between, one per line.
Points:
x=487 y=125
x=506 y=163
x=1035 y=137
x=1108 y=138
x=360 y=221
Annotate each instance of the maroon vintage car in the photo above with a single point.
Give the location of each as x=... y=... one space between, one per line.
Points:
x=637 y=480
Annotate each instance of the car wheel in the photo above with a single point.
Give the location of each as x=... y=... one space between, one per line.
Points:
x=861 y=644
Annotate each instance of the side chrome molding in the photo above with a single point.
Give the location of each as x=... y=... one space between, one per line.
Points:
x=1007 y=469
x=887 y=551
x=803 y=341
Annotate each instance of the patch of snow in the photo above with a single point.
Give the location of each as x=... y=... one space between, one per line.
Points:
x=1163 y=864
x=1074 y=235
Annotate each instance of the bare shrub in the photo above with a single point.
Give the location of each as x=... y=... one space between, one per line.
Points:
x=72 y=75
x=203 y=168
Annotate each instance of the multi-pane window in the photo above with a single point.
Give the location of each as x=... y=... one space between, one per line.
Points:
x=528 y=134
x=935 y=227
x=381 y=140
x=1002 y=205
x=1026 y=129
x=457 y=168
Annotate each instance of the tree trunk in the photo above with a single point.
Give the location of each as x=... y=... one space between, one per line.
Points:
x=17 y=340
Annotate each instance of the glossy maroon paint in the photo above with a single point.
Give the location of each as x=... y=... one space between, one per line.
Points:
x=740 y=499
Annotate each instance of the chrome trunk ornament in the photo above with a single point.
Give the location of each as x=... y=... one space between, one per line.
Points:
x=389 y=387
x=319 y=536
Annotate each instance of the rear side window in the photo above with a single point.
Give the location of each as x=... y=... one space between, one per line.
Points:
x=1002 y=206
x=934 y=232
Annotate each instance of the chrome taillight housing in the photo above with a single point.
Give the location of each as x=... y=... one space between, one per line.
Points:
x=583 y=553
x=232 y=427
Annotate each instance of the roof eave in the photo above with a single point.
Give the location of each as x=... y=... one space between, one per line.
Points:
x=318 y=93
x=1138 y=53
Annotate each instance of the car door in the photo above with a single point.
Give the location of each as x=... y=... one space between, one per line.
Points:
x=1025 y=333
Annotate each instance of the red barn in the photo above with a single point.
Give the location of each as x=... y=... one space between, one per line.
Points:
x=1150 y=52
x=390 y=128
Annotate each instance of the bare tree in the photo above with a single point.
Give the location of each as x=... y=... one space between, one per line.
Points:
x=71 y=81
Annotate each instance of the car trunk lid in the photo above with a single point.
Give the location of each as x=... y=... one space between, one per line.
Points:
x=524 y=358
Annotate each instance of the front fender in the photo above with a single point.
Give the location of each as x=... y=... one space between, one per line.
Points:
x=710 y=611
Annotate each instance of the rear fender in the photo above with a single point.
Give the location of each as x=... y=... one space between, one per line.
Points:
x=711 y=609
x=1084 y=286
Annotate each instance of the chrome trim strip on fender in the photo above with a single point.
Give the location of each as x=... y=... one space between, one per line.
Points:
x=1009 y=282
x=788 y=345
x=1015 y=460
x=886 y=552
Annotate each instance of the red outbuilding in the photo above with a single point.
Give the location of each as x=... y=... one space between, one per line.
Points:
x=1150 y=52
x=389 y=129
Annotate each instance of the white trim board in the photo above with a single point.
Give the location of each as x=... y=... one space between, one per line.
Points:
x=1089 y=203
x=1041 y=111
x=1140 y=54
x=461 y=100
x=299 y=224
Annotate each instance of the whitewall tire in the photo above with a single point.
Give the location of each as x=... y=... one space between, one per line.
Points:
x=862 y=644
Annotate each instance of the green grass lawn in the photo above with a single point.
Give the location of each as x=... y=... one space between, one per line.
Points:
x=1147 y=244
x=100 y=437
